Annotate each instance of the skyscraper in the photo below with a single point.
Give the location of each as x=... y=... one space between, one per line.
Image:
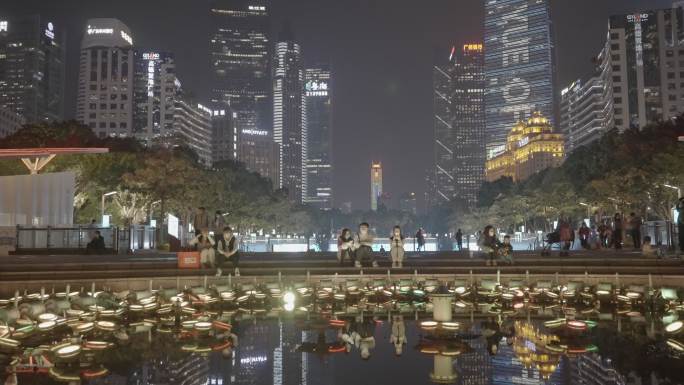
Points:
x=105 y=82
x=32 y=68
x=192 y=126
x=376 y=184
x=647 y=64
x=519 y=66
x=223 y=134
x=289 y=115
x=156 y=88
x=318 y=91
x=241 y=75
x=459 y=125
x=587 y=107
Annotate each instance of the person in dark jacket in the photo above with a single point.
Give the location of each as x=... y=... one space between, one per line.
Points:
x=618 y=226
x=489 y=244
x=459 y=240
x=680 y=225
x=96 y=244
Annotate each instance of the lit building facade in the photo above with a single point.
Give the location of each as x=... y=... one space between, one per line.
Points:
x=459 y=125
x=409 y=203
x=156 y=88
x=32 y=68
x=531 y=146
x=259 y=153
x=10 y=122
x=519 y=66
x=241 y=74
x=319 y=107
x=647 y=64
x=106 y=78
x=375 y=184
x=587 y=107
x=223 y=134
x=192 y=126
x=289 y=117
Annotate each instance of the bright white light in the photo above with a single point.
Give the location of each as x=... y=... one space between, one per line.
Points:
x=254 y=359
x=99 y=31
x=3 y=25
x=126 y=37
x=289 y=306
x=289 y=297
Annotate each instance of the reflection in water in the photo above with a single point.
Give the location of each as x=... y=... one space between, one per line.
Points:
x=403 y=332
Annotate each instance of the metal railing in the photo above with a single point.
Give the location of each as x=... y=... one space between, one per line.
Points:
x=51 y=238
x=135 y=237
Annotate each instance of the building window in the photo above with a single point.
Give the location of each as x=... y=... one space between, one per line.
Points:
x=615 y=57
x=670 y=75
x=616 y=68
x=618 y=100
x=618 y=122
x=112 y=106
x=92 y=115
x=103 y=106
x=92 y=106
x=671 y=86
x=672 y=97
x=112 y=125
x=103 y=124
x=617 y=79
x=617 y=90
x=669 y=53
x=615 y=47
x=614 y=36
x=123 y=125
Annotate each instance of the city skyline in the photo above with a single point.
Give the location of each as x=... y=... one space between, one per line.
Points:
x=360 y=87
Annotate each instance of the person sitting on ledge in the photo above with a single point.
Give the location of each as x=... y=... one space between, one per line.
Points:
x=96 y=244
x=363 y=246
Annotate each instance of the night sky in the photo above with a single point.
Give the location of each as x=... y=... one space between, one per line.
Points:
x=381 y=52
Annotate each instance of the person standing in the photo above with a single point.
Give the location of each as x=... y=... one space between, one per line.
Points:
x=219 y=222
x=397 y=247
x=228 y=250
x=680 y=225
x=566 y=235
x=363 y=246
x=635 y=230
x=584 y=233
x=201 y=220
x=420 y=238
x=618 y=226
x=459 y=240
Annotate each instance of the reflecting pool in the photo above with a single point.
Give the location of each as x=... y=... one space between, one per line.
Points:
x=350 y=332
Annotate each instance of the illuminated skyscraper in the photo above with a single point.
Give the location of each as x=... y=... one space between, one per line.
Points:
x=318 y=89
x=459 y=125
x=32 y=68
x=289 y=116
x=155 y=92
x=105 y=82
x=647 y=64
x=241 y=75
x=519 y=66
x=376 y=184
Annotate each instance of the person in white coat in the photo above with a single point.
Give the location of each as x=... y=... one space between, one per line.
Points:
x=397 y=247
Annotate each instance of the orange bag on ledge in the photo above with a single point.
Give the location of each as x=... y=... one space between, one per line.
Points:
x=188 y=259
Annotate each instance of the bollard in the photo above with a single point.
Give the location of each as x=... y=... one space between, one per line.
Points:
x=527 y=277
x=205 y=281
x=151 y=285
x=280 y=277
x=308 y=276
x=177 y=283
x=471 y=277
x=498 y=277
x=650 y=281
x=42 y=294
x=617 y=281
x=230 y=280
x=92 y=289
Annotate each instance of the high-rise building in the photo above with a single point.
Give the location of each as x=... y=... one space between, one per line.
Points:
x=154 y=94
x=319 y=169
x=531 y=146
x=32 y=68
x=408 y=203
x=259 y=153
x=106 y=78
x=519 y=66
x=241 y=75
x=459 y=124
x=192 y=126
x=223 y=134
x=587 y=107
x=10 y=122
x=289 y=116
x=647 y=64
x=376 y=184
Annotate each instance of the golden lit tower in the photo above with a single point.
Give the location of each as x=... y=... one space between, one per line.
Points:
x=376 y=184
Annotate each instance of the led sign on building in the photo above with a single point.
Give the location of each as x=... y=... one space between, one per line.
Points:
x=50 y=31
x=3 y=25
x=316 y=88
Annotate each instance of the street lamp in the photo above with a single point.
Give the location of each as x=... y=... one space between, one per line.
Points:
x=679 y=190
x=103 y=201
x=588 y=211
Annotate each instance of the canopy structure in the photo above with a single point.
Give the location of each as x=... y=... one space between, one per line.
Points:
x=35 y=159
